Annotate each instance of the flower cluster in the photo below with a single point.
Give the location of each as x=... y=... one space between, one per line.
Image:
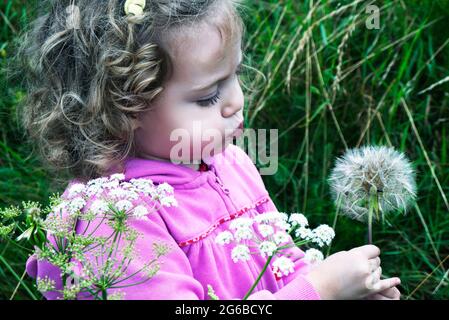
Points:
x=93 y=264
x=270 y=232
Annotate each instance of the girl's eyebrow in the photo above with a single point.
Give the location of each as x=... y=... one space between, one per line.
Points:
x=216 y=81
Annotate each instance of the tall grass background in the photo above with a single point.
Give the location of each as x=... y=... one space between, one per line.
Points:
x=317 y=74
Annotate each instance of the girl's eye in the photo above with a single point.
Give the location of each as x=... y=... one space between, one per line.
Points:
x=210 y=101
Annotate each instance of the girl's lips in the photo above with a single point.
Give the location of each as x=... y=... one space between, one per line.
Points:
x=236 y=131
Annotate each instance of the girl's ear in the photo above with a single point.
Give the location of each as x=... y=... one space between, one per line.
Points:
x=135 y=120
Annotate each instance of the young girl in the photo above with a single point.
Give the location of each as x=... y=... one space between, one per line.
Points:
x=110 y=81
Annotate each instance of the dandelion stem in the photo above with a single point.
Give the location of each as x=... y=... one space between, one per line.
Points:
x=372 y=205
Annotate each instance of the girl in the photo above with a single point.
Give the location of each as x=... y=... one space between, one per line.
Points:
x=110 y=83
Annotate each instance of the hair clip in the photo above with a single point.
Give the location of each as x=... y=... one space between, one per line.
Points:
x=134 y=7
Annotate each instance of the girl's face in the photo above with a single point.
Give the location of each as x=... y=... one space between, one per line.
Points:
x=202 y=97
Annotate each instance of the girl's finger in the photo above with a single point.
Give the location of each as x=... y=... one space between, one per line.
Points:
x=373 y=278
x=385 y=284
x=374 y=264
x=370 y=251
x=392 y=293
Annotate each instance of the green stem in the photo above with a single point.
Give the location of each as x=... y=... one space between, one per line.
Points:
x=104 y=294
x=259 y=277
x=334 y=224
x=18 y=278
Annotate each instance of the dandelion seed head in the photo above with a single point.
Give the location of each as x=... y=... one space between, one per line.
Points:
x=361 y=170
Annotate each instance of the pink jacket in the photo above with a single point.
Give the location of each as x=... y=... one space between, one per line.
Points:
x=207 y=201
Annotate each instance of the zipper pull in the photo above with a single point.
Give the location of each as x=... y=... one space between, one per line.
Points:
x=218 y=180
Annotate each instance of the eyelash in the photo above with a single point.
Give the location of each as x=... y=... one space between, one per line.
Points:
x=213 y=100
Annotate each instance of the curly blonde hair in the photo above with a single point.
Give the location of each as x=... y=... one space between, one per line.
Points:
x=90 y=69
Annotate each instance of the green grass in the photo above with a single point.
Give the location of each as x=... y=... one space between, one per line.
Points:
x=329 y=84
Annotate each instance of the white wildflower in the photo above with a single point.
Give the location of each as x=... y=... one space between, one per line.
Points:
x=283 y=266
x=45 y=284
x=76 y=189
x=304 y=233
x=323 y=235
x=145 y=186
x=283 y=225
x=281 y=237
x=268 y=217
x=123 y=205
x=381 y=169
x=75 y=205
x=111 y=184
x=95 y=186
x=140 y=211
x=241 y=222
x=168 y=201
x=267 y=248
x=120 y=193
x=164 y=188
x=240 y=252
x=99 y=206
x=117 y=176
x=224 y=237
x=243 y=233
x=313 y=256
x=298 y=219
x=265 y=229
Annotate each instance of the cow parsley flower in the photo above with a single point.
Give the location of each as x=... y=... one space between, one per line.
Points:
x=283 y=266
x=281 y=237
x=244 y=233
x=267 y=248
x=240 y=252
x=313 y=255
x=323 y=235
x=117 y=176
x=75 y=205
x=123 y=205
x=265 y=229
x=298 y=219
x=99 y=206
x=76 y=189
x=140 y=211
x=241 y=222
x=304 y=233
x=168 y=201
x=224 y=237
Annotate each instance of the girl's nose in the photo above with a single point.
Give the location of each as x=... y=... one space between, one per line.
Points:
x=235 y=102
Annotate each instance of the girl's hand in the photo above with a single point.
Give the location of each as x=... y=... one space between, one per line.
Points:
x=353 y=274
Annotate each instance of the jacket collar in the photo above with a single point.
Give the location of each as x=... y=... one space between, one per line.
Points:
x=166 y=171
